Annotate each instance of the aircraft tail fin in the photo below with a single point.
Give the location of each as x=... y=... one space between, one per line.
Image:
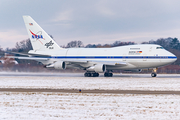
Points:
x=40 y=40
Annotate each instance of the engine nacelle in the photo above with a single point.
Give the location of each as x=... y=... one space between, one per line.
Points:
x=60 y=65
x=97 y=68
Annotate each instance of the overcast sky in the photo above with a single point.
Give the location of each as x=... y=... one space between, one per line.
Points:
x=91 y=21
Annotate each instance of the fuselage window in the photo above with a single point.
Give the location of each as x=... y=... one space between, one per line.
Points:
x=159 y=48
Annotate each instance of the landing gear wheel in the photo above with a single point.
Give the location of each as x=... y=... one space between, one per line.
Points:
x=106 y=74
x=96 y=75
x=89 y=74
x=153 y=74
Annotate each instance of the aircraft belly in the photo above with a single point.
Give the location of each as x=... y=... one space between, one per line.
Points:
x=118 y=67
x=153 y=63
x=140 y=64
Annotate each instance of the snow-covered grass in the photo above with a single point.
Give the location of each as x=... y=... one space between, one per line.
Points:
x=120 y=83
x=88 y=106
x=75 y=106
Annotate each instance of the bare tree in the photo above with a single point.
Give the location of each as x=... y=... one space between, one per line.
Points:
x=75 y=44
x=23 y=46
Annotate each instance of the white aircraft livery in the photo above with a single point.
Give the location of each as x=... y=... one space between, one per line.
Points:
x=94 y=60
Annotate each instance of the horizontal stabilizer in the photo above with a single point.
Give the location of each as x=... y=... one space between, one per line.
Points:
x=28 y=54
x=29 y=58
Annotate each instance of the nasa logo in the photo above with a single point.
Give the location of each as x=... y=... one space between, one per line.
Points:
x=34 y=36
x=49 y=44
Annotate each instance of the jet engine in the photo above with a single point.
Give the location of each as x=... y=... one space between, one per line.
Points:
x=97 y=68
x=60 y=65
x=57 y=65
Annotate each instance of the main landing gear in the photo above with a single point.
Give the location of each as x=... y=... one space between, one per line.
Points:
x=108 y=74
x=91 y=74
x=154 y=72
x=95 y=74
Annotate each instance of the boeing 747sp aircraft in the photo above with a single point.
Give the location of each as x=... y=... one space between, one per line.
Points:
x=94 y=60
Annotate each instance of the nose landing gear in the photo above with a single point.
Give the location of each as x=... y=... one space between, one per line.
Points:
x=154 y=72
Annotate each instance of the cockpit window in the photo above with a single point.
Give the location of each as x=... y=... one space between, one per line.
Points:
x=159 y=48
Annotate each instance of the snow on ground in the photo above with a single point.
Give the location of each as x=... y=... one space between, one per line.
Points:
x=82 y=106
x=60 y=106
x=128 y=82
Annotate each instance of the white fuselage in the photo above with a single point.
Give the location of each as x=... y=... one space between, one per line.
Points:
x=136 y=56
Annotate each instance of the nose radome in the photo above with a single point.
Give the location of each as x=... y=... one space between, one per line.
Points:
x=174 y=58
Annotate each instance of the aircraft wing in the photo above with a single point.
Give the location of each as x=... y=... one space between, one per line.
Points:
x=38 y=57
x=73 y=61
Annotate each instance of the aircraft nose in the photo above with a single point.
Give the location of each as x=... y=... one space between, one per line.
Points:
x=174 y=58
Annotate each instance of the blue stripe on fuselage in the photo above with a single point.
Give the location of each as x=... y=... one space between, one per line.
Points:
x=115 y=57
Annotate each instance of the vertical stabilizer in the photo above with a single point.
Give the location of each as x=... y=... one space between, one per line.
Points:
x=40 y=40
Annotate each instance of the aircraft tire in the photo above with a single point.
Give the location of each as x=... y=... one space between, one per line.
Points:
x=153 y=74
x=85 y=74
x=88 y=74
x=106 y=74
x=96 y=74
